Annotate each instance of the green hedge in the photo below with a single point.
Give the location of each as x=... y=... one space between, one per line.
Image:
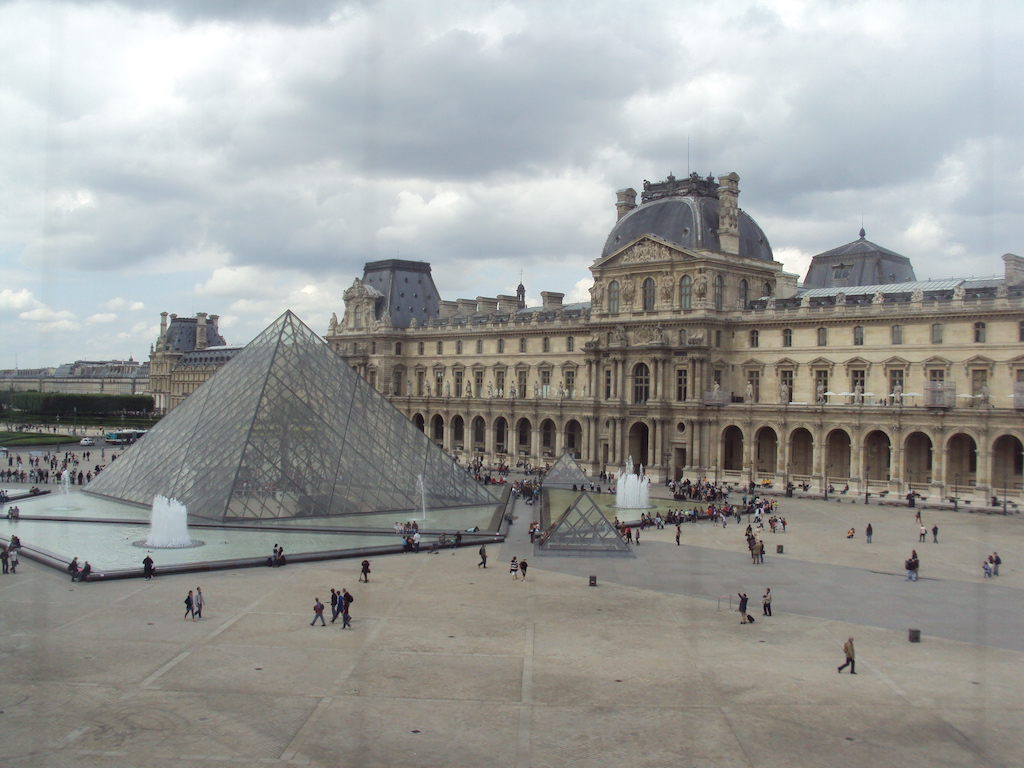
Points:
x=65 y=405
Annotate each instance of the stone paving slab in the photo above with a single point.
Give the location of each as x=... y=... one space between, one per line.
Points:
x=451 y=665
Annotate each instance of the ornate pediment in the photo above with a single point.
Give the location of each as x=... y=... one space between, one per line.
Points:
x=646 y=249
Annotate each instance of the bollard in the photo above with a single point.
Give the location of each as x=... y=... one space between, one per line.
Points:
x=915 y=636
x=593 y=581
x=778 y=549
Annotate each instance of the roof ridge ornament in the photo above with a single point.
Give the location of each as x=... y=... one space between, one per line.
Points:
x=692 y=186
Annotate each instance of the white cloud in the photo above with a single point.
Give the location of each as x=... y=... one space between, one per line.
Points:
x=18 y=299
x=102 y=317
x=123 y=304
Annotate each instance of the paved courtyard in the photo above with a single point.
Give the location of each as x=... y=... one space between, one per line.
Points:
x=448 y=664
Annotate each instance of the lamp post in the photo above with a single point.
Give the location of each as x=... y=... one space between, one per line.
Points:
x=75 y=430
x=824 y=485
x=956 y=489
x=1005 y=482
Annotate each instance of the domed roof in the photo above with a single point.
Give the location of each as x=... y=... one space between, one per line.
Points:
x=685 y=213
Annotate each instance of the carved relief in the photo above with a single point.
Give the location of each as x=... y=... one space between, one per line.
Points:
x=646 y=251
x=668 y=287
x=628 y=292
x=643 y=334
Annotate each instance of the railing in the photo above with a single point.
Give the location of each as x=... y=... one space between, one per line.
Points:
x=940 y=395
x=721 y=397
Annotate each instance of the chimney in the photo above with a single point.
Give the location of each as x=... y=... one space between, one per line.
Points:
x=163 y=324
x=729 y=213
x=625 y=201
x=200 y=330
x=215 y=321
x=1014 y=269
x=551 y=301
x=507 y=303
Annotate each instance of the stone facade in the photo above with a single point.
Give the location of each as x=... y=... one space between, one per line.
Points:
x=698 y=355
x=188 y=351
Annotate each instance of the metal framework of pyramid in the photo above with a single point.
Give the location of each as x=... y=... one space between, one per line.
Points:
x=287 y=429
x=565 y=473
x=584 y=528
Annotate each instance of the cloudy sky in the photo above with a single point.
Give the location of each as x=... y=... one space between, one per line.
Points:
x=244 y=157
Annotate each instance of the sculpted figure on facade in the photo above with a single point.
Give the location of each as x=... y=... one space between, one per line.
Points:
x=628 y=292
x=447 y=389
x=700 y=289
x=750 y=393
x=596 y=294
x=668 y=287
x=917 y=295
x=619 y=335
x=959 y=293
x=783 y=393
x=820 y=393
x=490 y=390
x=659 y=334
x=897 y=394
x=332 y=327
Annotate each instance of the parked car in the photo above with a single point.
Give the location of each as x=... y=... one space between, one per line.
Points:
x=87 y=441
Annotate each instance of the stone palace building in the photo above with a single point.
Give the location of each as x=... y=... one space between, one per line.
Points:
x=699 y=356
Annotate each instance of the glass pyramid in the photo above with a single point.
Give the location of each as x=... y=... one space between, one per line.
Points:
x=584 y=528
x=287 y=429
x=565 y=474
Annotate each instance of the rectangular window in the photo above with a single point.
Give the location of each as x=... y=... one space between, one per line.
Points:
x=895 y=380
x=858 y=379
x=823 y=337
x=1020 y=331
x=458 y=383
x=546 y=344
x=607 y=383
x=478 y=383
x=570 y=344
x=683 y=336
x=479 y=346
x=522 y=346
x=858 y=335
x=440 y=347
x=458 y=347
x=682 y=380
x=786 y=382
x=897 y=334
x=439 y=383
x=421 y=383
x=937 y=375
x=937 y=333
x=755 y=338
x=820 y=386
x=396 y=383
x=754 y=386
x=522 y=384
x=787 y=337
x=501 y=346
x=979 y=333
x=499 y=383
x=718 y=338
x=570 y=382
x=545 y=382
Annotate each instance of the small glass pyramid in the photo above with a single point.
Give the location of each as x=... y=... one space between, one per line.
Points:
x=287 y=429
x=584 y=528
x=565 y=474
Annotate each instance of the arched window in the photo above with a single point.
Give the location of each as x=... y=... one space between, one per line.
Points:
x=479 y=346
x=858 y=335
x=897 y=334
x=744 y=294
x=648 y=294
x=357 y=317
x=398 y=347
x=613 y=297
x=787 y=337
x=719 y=292
x=546 y=344
x=937 y=333
x=766 y=289
x=641 y=383
x=686 y=292
x=823 y=337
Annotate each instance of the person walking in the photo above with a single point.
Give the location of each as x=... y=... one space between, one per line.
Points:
x=364 y=573
x=996 y=562
x=73 y=568
x=868 y=532
x=922 y=535
x=848 y=650
x=318 y=612
x=912 y=564
x=513 y=568
x=14 y=560
x=743 y=607
x=147 y=568
x=523 y=565
x=679 y=532
x=345 y=600
x=190 y=607
x=335 y=605
x=766 y=601
x=4 y=557
x=200 y=601
x=935 y=534
x=483 y=556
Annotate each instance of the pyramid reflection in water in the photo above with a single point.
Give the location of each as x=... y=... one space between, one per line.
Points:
x=287 y=430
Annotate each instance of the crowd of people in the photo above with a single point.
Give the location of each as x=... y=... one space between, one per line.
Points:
x=49 y=468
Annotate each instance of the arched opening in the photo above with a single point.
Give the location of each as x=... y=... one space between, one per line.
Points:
x=641 y=383
x=419 y=421
x=547 y=437
x=917 y=456
x=573 y=438
x=1007 y=463
x=686 y=292
x=732 y=448
x=961 y=461
x=458 y=433
x=719 y=292
x=613 y=297
x=801 y=452
x=877 y=456
x=437 y=429
x=479 y=430
x=744 y=294
x=766 y=446
x=524 y=433
x=638 y=437
x=501 y=435
x=837 y=455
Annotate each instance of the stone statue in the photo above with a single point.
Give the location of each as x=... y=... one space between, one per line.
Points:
x=783 y=393
x=821 y=392
x=858 y=393
x=561 y=391
x=490 y=390
x=536 y=390
x=716 y=389
x=959 y=293
x=333 y=325
x=512 y=393
x=668 y=287
x=897 y=394
x=447 y=389
x=750 y=392
x=985 y=394
x=596 y=295
x=619 y=335
x=628 y=291
x=701 y=289
x=469 y=389
x=917 y=295
x=659 y=334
